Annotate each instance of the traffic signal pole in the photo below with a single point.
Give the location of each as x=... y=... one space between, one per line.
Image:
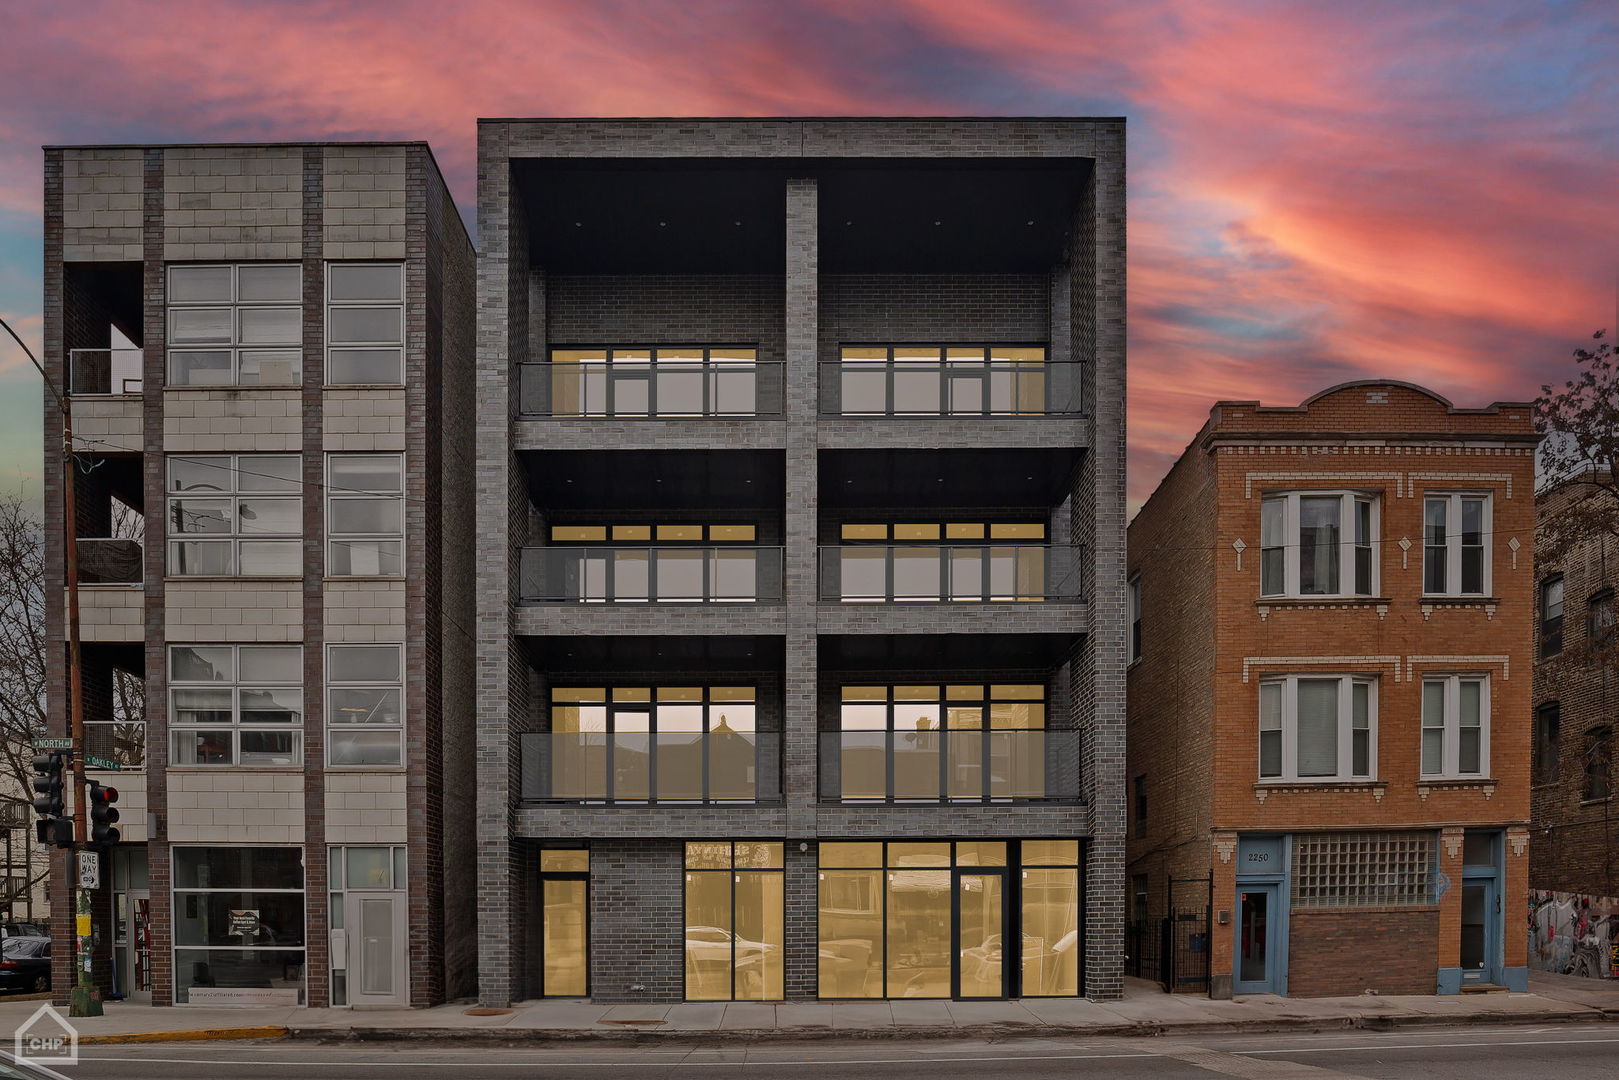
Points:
x=83 y=999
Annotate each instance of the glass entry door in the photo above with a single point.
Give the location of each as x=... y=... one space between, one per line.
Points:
x=376 y=929
x=564 y=901
x=981 y=934
x=1256 y=959
x=1480 y=914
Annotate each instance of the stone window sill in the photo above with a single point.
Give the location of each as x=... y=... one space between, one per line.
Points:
x=233 y=387
x=1485 y=603
x=236 y=768
x=363 y=386
x=1483 y=784
x=254 y=580
x=1321 y=603
x=1265 y=788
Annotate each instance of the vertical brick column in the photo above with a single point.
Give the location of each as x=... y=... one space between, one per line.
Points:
x=155 y=330
x=1097 y=329
x=1515 y=903
x=801 y=589
x=1448 y=949
x=317 y=966
x=503 y=287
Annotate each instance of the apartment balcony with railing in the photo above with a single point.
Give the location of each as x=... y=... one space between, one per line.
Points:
x=105 y=372
x=948 y=572
x=949 y=381
x=690 y=574
x=652 y=383
x=955 y=744
x=655 y=746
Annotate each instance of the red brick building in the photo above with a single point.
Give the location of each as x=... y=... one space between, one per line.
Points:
x=1329 y=710
x=1574 y=865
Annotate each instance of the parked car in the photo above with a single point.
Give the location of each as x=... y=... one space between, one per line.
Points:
x=21 y=929
x=15 y=1068
x=25 y=964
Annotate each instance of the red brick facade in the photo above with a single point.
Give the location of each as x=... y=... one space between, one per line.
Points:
x=1209 y=639
x=1576 y=827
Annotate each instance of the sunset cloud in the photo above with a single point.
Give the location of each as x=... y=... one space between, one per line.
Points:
x=1319 y=192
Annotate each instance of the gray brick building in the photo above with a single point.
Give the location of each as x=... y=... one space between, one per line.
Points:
x=799 y=561
x=269 y=349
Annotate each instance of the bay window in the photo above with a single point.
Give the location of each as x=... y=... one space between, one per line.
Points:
x=1317 y=728
x=1318 y=543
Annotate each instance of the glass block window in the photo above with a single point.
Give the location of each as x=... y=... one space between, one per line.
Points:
x=1363 y=869
x=235 y=325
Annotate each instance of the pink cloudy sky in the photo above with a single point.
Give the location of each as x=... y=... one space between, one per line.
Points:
x=1320 y=191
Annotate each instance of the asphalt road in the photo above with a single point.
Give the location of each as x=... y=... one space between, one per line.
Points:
x=1567 y=1052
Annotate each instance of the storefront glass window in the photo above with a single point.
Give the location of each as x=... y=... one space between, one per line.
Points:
x=735 y=921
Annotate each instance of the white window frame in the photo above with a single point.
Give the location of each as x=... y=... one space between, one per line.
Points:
x=232 y=491
x=1450 y=726
x=396 y=347
x=1453 y=542
x=1347 y=520
x=335 y=494
x=235 y=686
x=235 y=346
x=1288 y=717
x=332 y=684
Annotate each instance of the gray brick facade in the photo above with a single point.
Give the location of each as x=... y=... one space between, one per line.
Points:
x=541 y=286
x=117 y=218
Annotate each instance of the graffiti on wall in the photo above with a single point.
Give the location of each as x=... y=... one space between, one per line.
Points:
x=1574 y=934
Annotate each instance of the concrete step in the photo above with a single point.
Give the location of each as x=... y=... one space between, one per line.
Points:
x=1483 y=988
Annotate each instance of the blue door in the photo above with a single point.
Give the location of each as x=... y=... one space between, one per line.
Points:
x=1257 y=960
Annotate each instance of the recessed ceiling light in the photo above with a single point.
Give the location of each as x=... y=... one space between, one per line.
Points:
x=578 y=224
x=1028 y=222
x=938 y=223
x=662 y=224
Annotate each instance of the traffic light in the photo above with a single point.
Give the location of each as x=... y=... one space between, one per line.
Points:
x=50 y=799
x=103 y=815
x=49 y=784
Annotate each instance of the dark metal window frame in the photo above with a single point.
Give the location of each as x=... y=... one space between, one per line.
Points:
x=890 y=368
x=1544 y=767
x=944 y=704
x=730 y=872
x=948 y=548
x=1011 y=900
x=563 y=875
x=704 y=367
x=650 y=707
x=1551 y=626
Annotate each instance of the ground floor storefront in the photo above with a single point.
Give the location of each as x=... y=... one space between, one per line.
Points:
x=1341 y=912
x=724 y=920
x=229 y=925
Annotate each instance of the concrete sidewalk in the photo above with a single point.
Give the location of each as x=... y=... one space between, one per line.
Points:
x=1142 y=1011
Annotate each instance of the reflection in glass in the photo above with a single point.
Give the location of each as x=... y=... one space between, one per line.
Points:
x=980 y=937
x=1050 y=913
x=563 y=937
x=918 y=933
x=850 y=943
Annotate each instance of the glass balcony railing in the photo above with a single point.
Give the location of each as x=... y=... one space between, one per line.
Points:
x=933 y=387
x=663 y=390
x=105 y=371
x=111 y=561
x=970 y=766
x=651 y=575
x=642 y=768
x=966 y=573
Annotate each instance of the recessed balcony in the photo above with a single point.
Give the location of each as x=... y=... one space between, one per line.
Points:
x=651 y=384
x=727 y=574
x=111 y=561
x=949 y=381
x=105 y=372
x=948 y=573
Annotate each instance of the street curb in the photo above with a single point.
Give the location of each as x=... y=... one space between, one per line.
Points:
x=266 y=1031
x=1143 y=1029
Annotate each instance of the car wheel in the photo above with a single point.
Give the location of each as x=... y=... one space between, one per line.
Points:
x=37 y=985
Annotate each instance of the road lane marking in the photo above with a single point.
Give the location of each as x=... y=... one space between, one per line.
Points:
x=1424 y=1046
x=756 y=1063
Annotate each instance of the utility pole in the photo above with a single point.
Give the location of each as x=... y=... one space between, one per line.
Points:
x=83 y=1000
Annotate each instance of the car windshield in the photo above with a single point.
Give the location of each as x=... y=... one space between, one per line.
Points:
x=25 y=947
